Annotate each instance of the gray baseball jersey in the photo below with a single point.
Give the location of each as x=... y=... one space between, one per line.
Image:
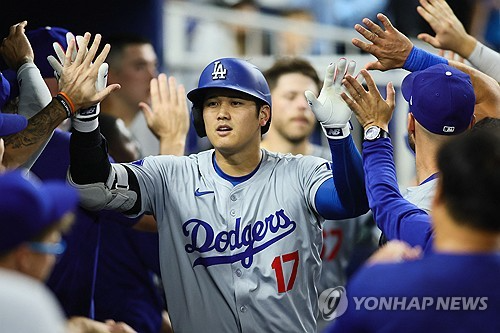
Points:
x=339 y=239
x=422 y=195
x=241 y=258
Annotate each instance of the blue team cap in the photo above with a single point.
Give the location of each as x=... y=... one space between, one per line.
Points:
x=41 y=41
x=28 y=207
x=441 y=99
x=11 y=123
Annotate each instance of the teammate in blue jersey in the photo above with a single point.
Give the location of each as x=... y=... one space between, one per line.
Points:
x=454 y=286
x=240 y=227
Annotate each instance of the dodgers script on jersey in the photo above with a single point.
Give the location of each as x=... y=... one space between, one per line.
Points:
x=241 y=258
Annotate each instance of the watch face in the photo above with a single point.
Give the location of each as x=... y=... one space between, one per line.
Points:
x=372 y=132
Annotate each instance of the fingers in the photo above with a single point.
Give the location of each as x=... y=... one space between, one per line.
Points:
x=329 y=76
x=148 y=112
x=386 y=22
x=374 y=65
x=354 y=88
x=89 y=56
x=172 y=85
x=369 y=35
x=369 y=81
x=102 y=56
x=155 y=92
x=69 y=37
x=429 y=39
x=56 y=65
x=351 y=67
x=102 y=77
x=67 y=56
x=391 y=95
x=59 y=52
x=107 y=91
x=361 y=45
x=163 y=88
x=181 y=97
x=18 y=27
x=340 y=69
x=81 y=52
x=375 y=29
x=311 y=100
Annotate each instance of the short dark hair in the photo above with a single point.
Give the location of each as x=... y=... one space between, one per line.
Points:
x=287 y=65
x=470 y=179
x=487 y=124
x=119 y=43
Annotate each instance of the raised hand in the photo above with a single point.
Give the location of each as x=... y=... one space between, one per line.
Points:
x=388 y=45
x=450 y=32
x=329 y=108
x=368 y=105
x=168 y=115
x=79 y=77
x=16 y=49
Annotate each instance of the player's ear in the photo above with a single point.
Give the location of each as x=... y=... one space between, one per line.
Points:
x=411 y=123
x=264 y=114
x=472 y=122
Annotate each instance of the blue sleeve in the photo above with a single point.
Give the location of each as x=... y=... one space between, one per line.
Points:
x=395 y=216
x=343 y=196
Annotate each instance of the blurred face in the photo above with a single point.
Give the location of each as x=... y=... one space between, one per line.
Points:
x=39 y=265
x=134 y=73
x=231 y=121
x=292 y=116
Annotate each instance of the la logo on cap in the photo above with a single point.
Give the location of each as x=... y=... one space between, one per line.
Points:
x=219 y=72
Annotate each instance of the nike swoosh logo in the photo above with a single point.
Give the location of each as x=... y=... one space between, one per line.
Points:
x=199 y=193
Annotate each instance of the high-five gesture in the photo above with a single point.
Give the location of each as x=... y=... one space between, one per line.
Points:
x=79 y=77
x=329 y=108
x=168 y=115
x=368 y=105
x=388 y=45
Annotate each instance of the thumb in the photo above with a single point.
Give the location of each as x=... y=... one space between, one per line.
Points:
x=374 y=65
x=102 y=77
x=312 y=100
x=429 y=39
x=107 y=91
x=56 y=66
x=146 y=109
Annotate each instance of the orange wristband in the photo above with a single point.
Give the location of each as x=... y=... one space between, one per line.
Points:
x=70 y=102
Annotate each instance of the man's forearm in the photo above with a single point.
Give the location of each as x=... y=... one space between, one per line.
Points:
x=21 y=146
x=348 y=175
x=395 y=216
x=89 y=158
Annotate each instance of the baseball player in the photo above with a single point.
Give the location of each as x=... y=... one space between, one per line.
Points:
x=240 y=227
x=293 y=123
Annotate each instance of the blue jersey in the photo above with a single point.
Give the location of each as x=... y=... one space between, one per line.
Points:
x=106 y=270
x=440 y=293
x=394 y=215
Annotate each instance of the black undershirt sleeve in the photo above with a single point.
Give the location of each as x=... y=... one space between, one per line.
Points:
x=90 y=163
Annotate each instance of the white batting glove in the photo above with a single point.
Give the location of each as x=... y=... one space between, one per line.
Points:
x=329 y=108
x=84 y=120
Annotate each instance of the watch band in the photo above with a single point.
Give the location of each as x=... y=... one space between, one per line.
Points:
x=381 y=134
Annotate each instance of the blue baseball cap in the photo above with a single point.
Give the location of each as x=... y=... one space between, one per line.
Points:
x=4 y=90
x=41 y=41
x=28 y=207
x=11 y=123
x=441 y=99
